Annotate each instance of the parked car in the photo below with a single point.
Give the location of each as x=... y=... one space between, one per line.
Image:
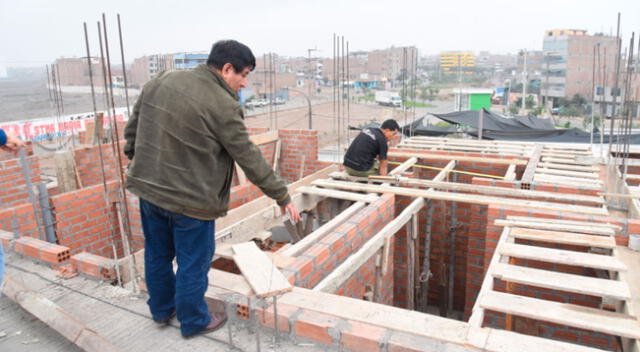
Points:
x=256 y=103
x=278 y=101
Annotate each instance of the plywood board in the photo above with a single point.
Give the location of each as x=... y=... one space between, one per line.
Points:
x=263 y=276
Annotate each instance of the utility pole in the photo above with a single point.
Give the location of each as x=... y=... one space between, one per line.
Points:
x=310 y=75
x=524 y=79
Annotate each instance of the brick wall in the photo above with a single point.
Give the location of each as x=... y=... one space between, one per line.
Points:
x=87 y=161
x=20 y=220
x=296 y=144
x=85 y=223
x=13 y=185
x=329 y=252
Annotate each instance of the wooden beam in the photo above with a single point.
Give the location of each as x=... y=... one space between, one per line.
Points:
x=529 y=171
x=561 y=281
x=561 y=256
x=566 y=222
x=263 y=276
x=445 y=171
x=332 y=281
x=433 y=156
x=576 y=239
x=477 y=312
x=568 y=167
x=264 y=138
x=323 y=230
x=465 y=198
x=404 y=166
x=578 y=174
x=331 y=193
x=564 y=161
x=564 y=314
x=242 y=178
x=490 y=190
x=276 y=158
x=55 y=317
x=595 y=230
x=510 y=175
x=560 y=182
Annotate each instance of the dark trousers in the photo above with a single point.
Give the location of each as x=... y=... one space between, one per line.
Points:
x=192 y=243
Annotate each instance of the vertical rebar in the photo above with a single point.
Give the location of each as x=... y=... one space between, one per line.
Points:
x=124 y=68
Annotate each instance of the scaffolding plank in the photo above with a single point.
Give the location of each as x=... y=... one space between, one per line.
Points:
x=465 y=198
x=435 y=156
x=561 y=281
x=577 y=239
x=541 y=225
x=330 y=193
x=561 y=256
x=263 y=276
x=567 y=222
x=529 y=171
x=562 y=313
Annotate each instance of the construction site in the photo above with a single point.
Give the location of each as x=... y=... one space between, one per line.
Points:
x=467 y=244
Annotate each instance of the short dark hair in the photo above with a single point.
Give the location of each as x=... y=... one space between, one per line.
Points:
x=390 y=125
x=233 y=52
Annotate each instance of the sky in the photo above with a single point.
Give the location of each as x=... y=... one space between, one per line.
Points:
x=35 y=33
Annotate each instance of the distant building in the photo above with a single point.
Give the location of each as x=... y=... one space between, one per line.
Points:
x=568 y=61
x=457 y=62
x=146 y=67
x=393 y=63
x=75 y=71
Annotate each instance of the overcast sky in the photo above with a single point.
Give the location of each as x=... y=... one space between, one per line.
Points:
x=34 y=33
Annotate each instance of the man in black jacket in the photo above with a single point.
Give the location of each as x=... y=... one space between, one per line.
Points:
x=367 y=154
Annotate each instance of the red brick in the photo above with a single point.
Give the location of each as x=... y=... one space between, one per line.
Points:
x=315 y=326
x=360 y=337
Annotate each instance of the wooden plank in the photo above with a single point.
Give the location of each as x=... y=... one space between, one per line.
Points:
x=577 y=180
x=564 y=314
x=547 y=171
x=529 y=171
x=264 y=138
x=560 y=182
x=465 y=198
x=331 y=193
x=564 y=161
x=276 y=159
x=490 y=190
x=595 y=230
x=568 y=167
x=404 y=166
x=55 y=317
x=567 y=222
x=433 y=156
x=510 y=175
x=477 y=312
x=323 y=230
x=561 y=256
x=263 y=276
x=445 y=171
x=332 y=281
x=561 y=281
x=564 y=238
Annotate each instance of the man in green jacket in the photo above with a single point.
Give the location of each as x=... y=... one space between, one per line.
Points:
x=185 y=133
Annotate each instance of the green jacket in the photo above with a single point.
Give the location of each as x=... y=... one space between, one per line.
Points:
x=183 y=136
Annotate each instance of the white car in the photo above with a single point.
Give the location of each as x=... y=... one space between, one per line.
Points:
x=256 y=103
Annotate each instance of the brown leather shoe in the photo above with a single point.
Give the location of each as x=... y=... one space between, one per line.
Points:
x=217 y=321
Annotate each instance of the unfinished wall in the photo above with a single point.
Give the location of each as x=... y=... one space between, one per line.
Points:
x=84 y=222
x=87 y=161
x=311 y=266
x=13 y=184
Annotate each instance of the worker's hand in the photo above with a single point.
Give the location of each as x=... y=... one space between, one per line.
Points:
x=292 y=211
x=13 y=143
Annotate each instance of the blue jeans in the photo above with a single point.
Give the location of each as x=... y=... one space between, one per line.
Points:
x=191 y=241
